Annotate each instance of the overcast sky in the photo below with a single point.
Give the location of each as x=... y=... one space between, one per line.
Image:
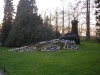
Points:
x=41 y=4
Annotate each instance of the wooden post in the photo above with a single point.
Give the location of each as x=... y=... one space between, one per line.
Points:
x=4 y=68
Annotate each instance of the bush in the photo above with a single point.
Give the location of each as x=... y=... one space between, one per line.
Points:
x=98 y=40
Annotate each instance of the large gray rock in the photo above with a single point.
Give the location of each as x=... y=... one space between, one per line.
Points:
x=56 y=44
x=70 y=36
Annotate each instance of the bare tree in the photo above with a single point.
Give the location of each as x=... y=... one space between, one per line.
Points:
x=88 y=20
x=74 y=11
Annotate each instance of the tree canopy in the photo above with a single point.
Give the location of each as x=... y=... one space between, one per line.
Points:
x=28 y=26
x=97 y=13
x=7 y=20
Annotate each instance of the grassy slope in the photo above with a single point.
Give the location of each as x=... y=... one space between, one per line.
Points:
x=83 y=62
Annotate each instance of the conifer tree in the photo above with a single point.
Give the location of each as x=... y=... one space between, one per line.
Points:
x=28 y=26
x=97 y=13
x=23 y=27
x=7 y=20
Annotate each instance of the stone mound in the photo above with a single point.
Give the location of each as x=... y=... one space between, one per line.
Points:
x=52 y=45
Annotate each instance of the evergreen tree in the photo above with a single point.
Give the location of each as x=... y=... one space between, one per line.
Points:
x=43 y=33
x=97 y=13
x=7 y=20
x=25 y=21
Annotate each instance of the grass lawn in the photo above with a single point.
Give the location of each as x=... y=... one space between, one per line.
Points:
x=82 y=62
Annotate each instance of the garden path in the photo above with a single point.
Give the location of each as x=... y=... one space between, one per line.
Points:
x=1 y=73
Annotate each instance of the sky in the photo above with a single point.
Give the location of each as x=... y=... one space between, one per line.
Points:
x=1 y=10
x=41 y=4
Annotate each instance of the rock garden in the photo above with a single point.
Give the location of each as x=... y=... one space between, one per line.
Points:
x=47 y=46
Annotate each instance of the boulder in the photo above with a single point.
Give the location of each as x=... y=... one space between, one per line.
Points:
x=70 y=36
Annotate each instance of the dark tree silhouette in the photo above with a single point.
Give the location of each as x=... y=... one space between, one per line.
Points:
x=26 y=18
x=97 y=13
x=7 y=20
x=28 y=26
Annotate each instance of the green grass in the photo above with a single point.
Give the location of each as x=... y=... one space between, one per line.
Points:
x=82 y=62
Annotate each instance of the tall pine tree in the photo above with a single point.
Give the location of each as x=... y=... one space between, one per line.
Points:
x=97 y=13
x=26 y=18
x=7 y=20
